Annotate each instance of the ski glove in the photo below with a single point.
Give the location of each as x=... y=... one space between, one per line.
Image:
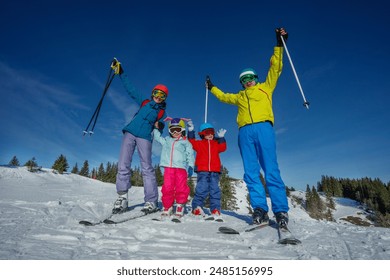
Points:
x=281 y=32
x=160 y=126
x=221 y=133
x=209 y=84
x=190 y=125
x=116 y=66
x=190 y=171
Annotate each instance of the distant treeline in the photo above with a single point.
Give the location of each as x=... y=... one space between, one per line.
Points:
x=107 y=173
x=372 y=193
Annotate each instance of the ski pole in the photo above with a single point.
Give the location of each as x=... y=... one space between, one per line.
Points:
x=305 y=103
x=100 y=105
x=206 y=102
x=97 y=110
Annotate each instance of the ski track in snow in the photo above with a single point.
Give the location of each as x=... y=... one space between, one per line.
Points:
x=40 y=214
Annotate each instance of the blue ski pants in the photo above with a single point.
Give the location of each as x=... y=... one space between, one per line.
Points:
x=258 y=150
x=207 y=184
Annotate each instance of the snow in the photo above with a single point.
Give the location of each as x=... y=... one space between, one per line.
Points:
x=40 y=214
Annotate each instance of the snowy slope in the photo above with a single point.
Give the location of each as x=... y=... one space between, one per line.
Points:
x=40 y=214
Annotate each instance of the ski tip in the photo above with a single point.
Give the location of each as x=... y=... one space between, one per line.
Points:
x=85 y=223
x=176 y=220
x=227 y=230
x=290 y=241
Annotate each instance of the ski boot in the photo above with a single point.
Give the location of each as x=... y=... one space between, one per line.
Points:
x=282 y=219
x=179 y=211
x=198 y=211
x=150 y=207
x=260 y=217
x=120 y=205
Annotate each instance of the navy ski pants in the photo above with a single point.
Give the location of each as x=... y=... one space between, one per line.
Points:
x=207 y=184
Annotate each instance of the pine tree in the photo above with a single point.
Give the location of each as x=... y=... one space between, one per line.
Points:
x=159 y=175
x=14 y=162
x=101 y=173
x=93 y=173
x=85 y=169
x=262 y=180
x=61 y=164
x=191 y=185
x=228 y=199
x=309 y=199
x=314 y=204
x=248 y=200
x=330 y=202
x=32 y=165
x=110 y=173
x=136 y=177
x=75 y=169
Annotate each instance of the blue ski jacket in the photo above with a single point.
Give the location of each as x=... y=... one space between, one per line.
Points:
x=176 y=152
x=142 y=123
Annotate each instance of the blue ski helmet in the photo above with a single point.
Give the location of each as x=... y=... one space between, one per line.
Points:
x=205 y=126
x=205 y=129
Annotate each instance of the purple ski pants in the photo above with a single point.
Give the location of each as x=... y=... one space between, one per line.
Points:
x=144 y=149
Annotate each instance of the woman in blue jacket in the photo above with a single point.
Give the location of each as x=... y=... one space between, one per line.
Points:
x=137 y=134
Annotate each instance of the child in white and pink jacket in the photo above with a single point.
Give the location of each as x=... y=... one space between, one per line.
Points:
x=177 y=159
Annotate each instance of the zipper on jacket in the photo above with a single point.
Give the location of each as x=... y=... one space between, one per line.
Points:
x=209 y=155
x=172 y=149
x=249 y=106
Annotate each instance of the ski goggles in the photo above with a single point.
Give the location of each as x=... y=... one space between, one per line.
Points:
x=207 y=131
x=176 y=129
x=247 y=78
x=159 y=94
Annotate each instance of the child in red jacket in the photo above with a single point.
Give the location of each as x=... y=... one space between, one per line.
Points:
x=207 y=166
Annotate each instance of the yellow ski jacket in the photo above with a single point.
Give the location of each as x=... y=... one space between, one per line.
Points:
x=255 y=103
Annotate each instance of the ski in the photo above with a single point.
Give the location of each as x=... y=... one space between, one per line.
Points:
x=176 y=220
x=229 y=230
x=165 y=219
x=118 y=219
x=286 y=237
x=90 y=223
x=212 y=218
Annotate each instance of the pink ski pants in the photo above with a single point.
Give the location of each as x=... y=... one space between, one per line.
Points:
x=175 y=187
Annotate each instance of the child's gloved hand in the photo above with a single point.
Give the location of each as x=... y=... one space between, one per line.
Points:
x=221 y=133
x=190 y=125
x=190 y=171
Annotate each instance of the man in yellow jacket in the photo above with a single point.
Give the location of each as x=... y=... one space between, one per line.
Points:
x=256 y=141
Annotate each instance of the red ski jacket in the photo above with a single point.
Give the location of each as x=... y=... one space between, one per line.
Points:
x=207 y=153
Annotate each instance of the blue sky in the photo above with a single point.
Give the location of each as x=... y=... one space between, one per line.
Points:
x=54 y=60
